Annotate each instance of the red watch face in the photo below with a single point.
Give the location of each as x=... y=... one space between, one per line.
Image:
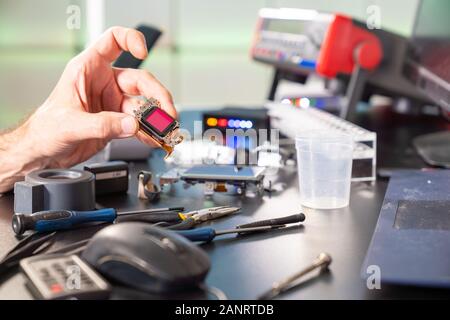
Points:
x=159 y=120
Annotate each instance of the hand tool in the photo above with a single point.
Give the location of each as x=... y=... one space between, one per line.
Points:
x=190 y=219
x=208 y=234
x=322 y=261
x=277 y=221
x=146 y=188
x=28 y=246
x=53 y=220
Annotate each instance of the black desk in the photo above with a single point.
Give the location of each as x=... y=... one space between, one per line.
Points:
x=246 y=266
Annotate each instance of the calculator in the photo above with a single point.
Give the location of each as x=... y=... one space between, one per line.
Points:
x=63 y=277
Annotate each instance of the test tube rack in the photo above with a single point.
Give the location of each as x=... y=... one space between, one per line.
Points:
x=291 y=120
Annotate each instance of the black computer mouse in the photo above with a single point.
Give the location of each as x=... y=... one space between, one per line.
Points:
x=147 y=258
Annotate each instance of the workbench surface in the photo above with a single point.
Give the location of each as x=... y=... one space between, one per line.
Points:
x=245 y=266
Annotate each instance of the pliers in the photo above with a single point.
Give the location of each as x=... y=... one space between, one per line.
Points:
x=192 y=218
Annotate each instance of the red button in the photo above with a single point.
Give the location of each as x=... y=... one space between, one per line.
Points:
x=55 y=288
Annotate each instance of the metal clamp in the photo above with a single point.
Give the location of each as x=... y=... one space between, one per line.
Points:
x=146 y=188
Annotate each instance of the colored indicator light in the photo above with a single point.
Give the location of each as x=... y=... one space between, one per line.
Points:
x=222 y=122
x=237 y=123
x=212 y=122
x=304 y=102
x=249 y=124
x=231 y=123
x=243 y=124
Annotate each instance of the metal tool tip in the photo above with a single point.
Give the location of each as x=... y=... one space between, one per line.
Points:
x=325 y=259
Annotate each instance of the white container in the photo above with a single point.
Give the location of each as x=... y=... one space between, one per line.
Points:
x=324 y=162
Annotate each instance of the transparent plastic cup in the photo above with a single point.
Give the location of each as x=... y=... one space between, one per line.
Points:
x=324 y=162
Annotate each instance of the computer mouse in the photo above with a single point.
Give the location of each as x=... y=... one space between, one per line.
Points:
x=147 y=258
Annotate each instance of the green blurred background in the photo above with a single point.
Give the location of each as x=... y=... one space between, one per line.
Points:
x=202 y=58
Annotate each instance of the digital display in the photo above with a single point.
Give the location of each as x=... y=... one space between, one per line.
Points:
x=159 y=120
x=285 y=26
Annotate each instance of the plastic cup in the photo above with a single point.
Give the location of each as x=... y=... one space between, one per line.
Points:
x=324 y=162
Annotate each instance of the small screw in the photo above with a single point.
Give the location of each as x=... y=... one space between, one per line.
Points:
x=322 y=261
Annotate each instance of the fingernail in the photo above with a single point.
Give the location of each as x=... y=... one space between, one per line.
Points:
x=129 y=126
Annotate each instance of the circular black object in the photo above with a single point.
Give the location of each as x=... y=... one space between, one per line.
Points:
x=17 y=224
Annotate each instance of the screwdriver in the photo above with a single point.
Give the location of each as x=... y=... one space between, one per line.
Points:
x=300 y=217
x=208 y=234
x=53 y=220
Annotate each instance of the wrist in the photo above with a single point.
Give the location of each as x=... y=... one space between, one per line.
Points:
x=17 y=157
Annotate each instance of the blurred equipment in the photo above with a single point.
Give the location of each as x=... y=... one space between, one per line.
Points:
x=322 y=263
x=434 y=148
x=292 y=121
x=146 y=188
x=110 y=177
x=237 y=118
x=126 y=149
x=55 y=189
x=428 y=61
x=300 y=42
x=63 y=277
x=132 y=148
x=410 y=245
x=126 y=59
x=217 y=178
x=428 y=67
x=202 y=151
x=147 y=258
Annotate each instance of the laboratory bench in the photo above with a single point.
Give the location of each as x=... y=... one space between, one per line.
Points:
x=245 y=266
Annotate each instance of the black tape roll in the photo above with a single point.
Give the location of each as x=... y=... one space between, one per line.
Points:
x=55 y=189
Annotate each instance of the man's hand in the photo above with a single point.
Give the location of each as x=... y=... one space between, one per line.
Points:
x=90 y=105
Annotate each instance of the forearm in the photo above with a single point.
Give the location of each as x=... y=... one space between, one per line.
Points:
x=17 y=157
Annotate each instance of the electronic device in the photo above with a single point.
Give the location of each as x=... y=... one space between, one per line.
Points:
x=127 y=60
x=290 y=38
x=237 y=118
x=147 y=258
x=410 y=245
x=55 y=189
x=428 y=60
x=434 y=148
x=110 y=177
x=325 y=102
x=60 y=276
x=158 y=125
x=217 y=177
x=364 y=62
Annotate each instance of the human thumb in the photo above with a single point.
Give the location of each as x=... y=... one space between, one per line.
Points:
x=109 y=125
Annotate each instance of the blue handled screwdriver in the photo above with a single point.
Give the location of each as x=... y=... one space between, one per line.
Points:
x=208 y=234
x=53 y=220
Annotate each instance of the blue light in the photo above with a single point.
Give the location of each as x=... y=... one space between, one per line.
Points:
x=231 y=123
